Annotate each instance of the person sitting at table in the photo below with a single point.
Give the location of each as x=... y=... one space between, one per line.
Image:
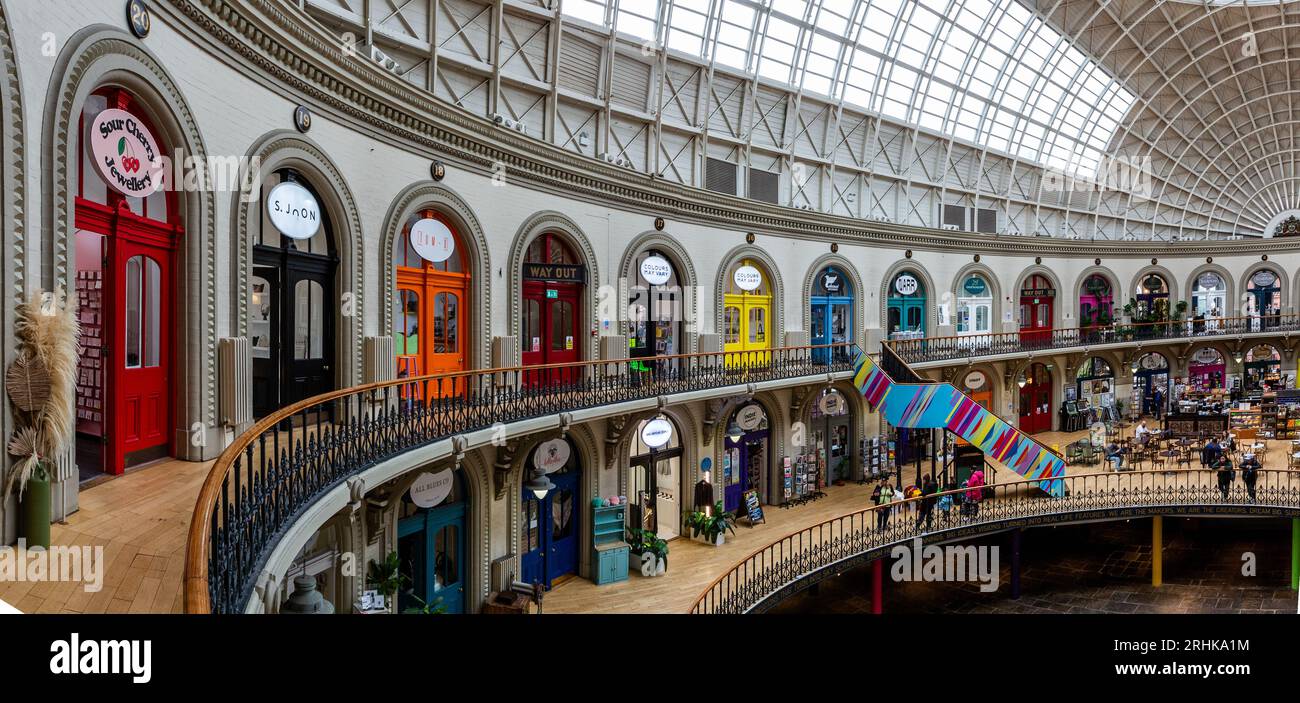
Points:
x=1141 y=433
x=1226 y=474
x=1211 y=452
x=1250 y=467
x=1115 y=455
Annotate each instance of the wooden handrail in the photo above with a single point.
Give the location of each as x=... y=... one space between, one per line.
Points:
x=200 y=533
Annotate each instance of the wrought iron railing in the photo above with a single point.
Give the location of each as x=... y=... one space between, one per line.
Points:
x=965 y=346
x=275 y=471
x=776 y=570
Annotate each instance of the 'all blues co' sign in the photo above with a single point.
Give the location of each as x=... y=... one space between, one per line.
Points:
x=125 y=153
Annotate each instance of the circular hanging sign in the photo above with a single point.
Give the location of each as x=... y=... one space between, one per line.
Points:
x=126 y=153
x=831 y=282
x=906 y=284
x=1263 y=279
x=975 y=286
x=656 y=270
x=657 y=432
x=747 y=277
x=832 y=403
x=293 y=210
x=1208 y=356
x=1154 y=284
x=974 y=381
x=750 y=417
x=431 y=489
x=551 y=456
x=1210 y=281
x=1153 y=361
x=432 y=240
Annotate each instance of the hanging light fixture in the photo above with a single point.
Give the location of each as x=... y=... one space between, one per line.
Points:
x=540 y=484
x=1133 y=365
x=734 y=432
x=1237 y=356
x=1021 y=380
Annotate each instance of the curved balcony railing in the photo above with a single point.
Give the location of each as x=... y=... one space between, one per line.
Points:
x=779 y=569
x=274 y=472
x=925 y=349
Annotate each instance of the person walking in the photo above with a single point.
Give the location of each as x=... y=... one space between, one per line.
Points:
x=929 y=487
x=1226 y=474
x=1211 y=452
x=883 y=499
x=1159 y=401
x=976 y=492
x=1250 y=467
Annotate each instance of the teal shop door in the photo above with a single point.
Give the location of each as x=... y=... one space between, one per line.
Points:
x=431 y=548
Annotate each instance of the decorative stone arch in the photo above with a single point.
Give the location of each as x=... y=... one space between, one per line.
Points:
x=776 y=422
x=558 y=223
x=1219 y=346
x=1058 y=308
x=429 y=195
x=1171 y=282
x=92 y=58
x=931 y=292
x=687 y=279
x=589 y=487
x=750 y=251
x=685 y=423
x=1116 y=293
x=859 y=300
x=288 y=149
x=802 y=412
x=13 y=212
x=995 y=291
x=1282 y=281
x=1229 y=285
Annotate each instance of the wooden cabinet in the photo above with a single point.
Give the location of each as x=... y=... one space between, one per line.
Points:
x=609 y=552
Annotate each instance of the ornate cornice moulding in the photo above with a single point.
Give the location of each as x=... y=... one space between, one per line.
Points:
x=300 y=56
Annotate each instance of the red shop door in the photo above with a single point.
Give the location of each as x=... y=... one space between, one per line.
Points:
x=551 y=312
x=1035 y=321
x=1035 y=409
x=139 y=352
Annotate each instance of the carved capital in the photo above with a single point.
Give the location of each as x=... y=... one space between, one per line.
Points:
x=502 y=467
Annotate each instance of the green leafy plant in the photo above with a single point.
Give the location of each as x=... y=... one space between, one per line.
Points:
x=713 y=525
x=386 y=576
x=642 y=541
x=425 y=608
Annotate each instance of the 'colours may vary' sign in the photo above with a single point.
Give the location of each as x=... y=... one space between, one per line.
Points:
x=125 y=153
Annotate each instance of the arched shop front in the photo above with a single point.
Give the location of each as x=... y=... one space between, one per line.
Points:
x=1209 y=301
x=1152 y=299
x=432 y=544
x=655 y=307
x=974 y=306
x=1094 y=386
x=127 y=234
x=831 y=427
x=554 y=287
x=654 y=477
x=550 y=526
x=1035 y=399
x=906 y=309
x=832 y=312
x=1263 y=365
x=1152 y=374
x=1096 y=302
x=746 y=456
x=1207 y=369
x=1264 y=299
x=747 y=311
x=292 y=301
x=1037 y=301
x=431 y=321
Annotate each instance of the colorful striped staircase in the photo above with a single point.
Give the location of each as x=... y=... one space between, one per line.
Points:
x=941 y=405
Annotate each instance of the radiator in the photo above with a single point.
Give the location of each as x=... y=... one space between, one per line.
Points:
x=503 y=573
x=379 y=360
x=235 y=381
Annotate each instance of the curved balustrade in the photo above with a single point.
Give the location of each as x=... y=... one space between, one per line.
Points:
x=275 y=471
x=949 y=348
x=786 y=566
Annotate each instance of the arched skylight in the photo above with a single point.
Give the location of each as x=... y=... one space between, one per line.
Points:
x=988 y=72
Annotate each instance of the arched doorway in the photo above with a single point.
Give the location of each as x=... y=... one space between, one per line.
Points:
x=655 y=308
x=1035 y=399
x=1209 y=301
x=1096 y=302
x=654 y=477
x=746 y=458
x=834 y=437
x=1151 y=384
x=554 y=283
x=1037 y=301
x=1264 y=299
x=746 y=312
x=431 y=323
x=975 y=307
x=1207 y=368
x=1263 y=366
x=431 y=542
x=292 y=303
x=550 y=526
x=1152 y=301
x=906 y=308
x=128 y=229
x=1095 y=386
x=832 y=314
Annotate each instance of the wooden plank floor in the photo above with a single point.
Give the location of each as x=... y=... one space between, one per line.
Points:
x=140 y=519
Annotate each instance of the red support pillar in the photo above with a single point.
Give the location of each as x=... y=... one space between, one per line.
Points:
x=877 y=580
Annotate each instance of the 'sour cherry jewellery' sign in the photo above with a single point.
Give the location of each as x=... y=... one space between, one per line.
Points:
x=551 y=456
x=293 y=210
x=126 y=153
x=747 y=277
x=432 y=240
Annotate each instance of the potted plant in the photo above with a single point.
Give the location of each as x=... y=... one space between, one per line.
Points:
x=713 y=528
x=41 y=383
x=386 y=577
x=424 y=608
x=651 y=551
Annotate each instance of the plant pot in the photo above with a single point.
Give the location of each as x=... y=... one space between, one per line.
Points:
x=36 y=513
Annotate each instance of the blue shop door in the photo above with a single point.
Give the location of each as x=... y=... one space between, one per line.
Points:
x=550 y=531
x=431 y=547
x=733 y=483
